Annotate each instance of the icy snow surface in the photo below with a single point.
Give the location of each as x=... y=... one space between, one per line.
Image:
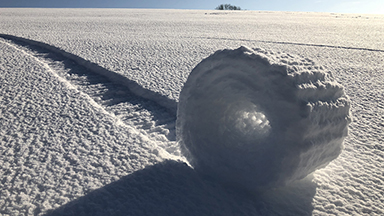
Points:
x=88 y=101
x=258 y=120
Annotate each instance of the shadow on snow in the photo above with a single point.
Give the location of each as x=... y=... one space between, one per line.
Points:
x=173 y=188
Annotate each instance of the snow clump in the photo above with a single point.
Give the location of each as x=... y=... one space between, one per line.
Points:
x=256 y=119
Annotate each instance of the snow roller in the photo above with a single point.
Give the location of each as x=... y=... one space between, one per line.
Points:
x=257 y=119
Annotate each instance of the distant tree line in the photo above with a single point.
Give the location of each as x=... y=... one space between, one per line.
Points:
x=227 y=7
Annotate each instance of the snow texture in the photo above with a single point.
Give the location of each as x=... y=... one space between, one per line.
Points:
x=258 y=120
x=88 y=100
x=57 y=139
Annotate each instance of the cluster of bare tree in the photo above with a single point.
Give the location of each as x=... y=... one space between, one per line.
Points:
x=227 y=7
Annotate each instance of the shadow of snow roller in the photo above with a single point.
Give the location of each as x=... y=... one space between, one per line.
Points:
x=256 y=119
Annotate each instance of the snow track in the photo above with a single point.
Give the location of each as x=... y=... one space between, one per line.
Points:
x=171 y=105
x=295 y=43
x=108 y=92
x=56 y=143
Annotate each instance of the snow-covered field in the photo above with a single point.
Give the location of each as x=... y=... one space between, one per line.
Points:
x=88 y=102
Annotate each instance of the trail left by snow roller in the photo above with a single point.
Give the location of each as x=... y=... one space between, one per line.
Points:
x=257 y=119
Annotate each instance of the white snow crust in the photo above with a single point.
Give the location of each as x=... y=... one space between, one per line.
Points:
x=88 y=100
x=258 y=120
x=57 y=140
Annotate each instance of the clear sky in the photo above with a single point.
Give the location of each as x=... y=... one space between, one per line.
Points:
x=340 y=6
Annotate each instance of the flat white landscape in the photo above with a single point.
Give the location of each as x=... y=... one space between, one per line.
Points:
x=88 y=103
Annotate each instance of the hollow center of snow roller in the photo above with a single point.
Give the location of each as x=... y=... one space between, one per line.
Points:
x=249 y=123
x=242 y=123
x=227 y=112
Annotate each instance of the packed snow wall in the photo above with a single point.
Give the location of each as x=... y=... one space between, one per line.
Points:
x=257 y=119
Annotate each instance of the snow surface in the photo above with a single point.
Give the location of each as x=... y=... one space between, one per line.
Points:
x=88 y=100
x=258 y=120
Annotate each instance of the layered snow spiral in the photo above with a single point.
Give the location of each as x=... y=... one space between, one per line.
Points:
x=258 y=119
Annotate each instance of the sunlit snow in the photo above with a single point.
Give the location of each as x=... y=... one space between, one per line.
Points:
x=88 y=102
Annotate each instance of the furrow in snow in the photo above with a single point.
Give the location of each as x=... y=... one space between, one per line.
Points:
x=145 y=115
x=295 y=43
x=57 y=144
x=169 y=104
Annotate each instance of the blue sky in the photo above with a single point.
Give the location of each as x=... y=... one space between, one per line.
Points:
x=341 y=6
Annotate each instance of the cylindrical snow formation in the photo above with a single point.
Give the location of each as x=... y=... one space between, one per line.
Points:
x=257 y=119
